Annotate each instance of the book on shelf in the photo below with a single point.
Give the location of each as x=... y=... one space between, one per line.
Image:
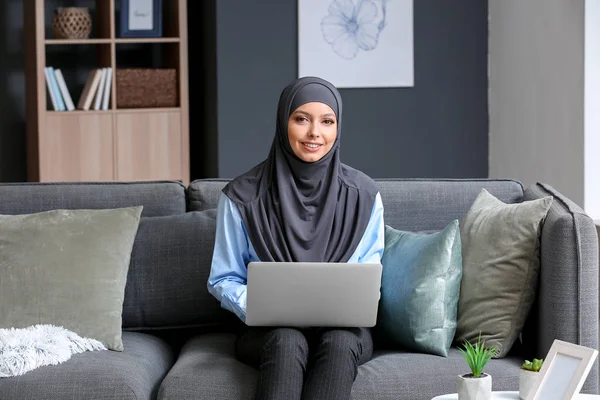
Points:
x=53 y=90
x=107 y=88
x=63 y=89
x=94 y=96
x=87 y=95
x=100 y=92
x=97 y=89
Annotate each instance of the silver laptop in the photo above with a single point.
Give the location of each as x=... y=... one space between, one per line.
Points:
x=312 y=294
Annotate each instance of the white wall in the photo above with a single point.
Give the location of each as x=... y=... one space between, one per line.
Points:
x=536 y=92
x=592 y=108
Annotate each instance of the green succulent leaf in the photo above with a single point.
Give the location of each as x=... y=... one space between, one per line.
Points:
x=534 y=365
x=477 y=355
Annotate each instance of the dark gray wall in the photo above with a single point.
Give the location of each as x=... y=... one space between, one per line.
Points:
x=438 y=128
x=12 y=93
x=248 y=53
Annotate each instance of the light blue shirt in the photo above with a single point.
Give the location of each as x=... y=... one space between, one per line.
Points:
x=233 y=251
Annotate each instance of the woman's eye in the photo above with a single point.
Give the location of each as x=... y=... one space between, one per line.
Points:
x=329 y=122
x=300 y=119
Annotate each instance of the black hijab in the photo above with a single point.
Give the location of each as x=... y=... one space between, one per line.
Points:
x=295 y=210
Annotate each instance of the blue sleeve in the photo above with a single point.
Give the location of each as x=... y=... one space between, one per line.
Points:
x=228 y=274
x=370 y=249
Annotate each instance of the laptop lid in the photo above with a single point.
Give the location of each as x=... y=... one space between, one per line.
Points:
x=312 y=294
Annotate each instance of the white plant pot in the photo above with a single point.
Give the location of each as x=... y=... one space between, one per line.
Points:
x=526 y=381
x=472 y=388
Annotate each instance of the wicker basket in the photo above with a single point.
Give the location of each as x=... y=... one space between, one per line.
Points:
x=146 y=88
x=72 y=23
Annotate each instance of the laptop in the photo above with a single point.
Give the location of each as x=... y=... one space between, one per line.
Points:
x=301 y=294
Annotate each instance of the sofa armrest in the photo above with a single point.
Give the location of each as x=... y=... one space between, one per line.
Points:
x=567 y=301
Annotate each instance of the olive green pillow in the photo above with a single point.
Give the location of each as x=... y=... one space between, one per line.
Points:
x=67 y=268
x=501 y=263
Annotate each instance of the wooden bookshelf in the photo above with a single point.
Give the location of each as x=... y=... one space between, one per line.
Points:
x=117 y=144
x=78 y=41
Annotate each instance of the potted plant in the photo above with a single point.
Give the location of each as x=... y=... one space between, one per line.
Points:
x=476 y=385
x=528 y=376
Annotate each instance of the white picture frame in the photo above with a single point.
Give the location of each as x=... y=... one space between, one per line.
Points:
x=564 y=371
x=357 y=43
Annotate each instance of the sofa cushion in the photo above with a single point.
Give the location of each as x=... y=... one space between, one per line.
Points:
x=158 y=198
x=420 y=286
x=67 y=268
x=207 y=369
x=501 y=265
x=132 y=374
x=170 y=263
x=415 y=376
x=415 y=205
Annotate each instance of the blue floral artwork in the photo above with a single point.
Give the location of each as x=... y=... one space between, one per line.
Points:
x=354 y=25
x=357 y=43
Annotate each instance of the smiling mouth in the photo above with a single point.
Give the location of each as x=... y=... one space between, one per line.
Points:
x=312 y=146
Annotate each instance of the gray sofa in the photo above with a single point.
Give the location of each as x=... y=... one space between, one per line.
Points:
x=179 y=342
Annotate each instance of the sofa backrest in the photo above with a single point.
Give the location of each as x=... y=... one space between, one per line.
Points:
x=171 y=257
x=158 y=198
x=170 y=264
x=161 y=256
x=409 y=204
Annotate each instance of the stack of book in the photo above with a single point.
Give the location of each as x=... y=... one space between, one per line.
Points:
x=95 y=94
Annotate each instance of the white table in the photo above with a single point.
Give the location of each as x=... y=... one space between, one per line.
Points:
x=510 y=396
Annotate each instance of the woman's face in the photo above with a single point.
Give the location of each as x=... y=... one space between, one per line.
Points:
x=312 y=129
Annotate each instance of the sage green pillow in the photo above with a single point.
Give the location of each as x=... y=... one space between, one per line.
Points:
x=419 y=289
x=67 y=268
x=501 y=264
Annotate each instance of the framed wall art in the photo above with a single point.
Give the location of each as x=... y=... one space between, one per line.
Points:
x=141 y=18
x=356 y=43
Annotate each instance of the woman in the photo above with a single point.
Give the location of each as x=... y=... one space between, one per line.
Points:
x=300 y=204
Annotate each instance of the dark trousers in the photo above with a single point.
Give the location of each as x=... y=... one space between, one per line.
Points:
x=307 y=364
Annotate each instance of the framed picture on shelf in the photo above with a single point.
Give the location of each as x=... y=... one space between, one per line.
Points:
x=141 y=19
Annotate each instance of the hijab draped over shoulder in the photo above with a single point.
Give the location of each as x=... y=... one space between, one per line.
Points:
x=295 y=210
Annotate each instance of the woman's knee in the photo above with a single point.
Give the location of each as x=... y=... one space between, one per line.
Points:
x=342 y=343
x=287 y=342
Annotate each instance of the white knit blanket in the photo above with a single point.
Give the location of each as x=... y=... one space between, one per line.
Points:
x=22 y=350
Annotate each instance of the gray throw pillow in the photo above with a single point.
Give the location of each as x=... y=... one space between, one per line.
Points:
x=67 y=268
x=501 y=264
